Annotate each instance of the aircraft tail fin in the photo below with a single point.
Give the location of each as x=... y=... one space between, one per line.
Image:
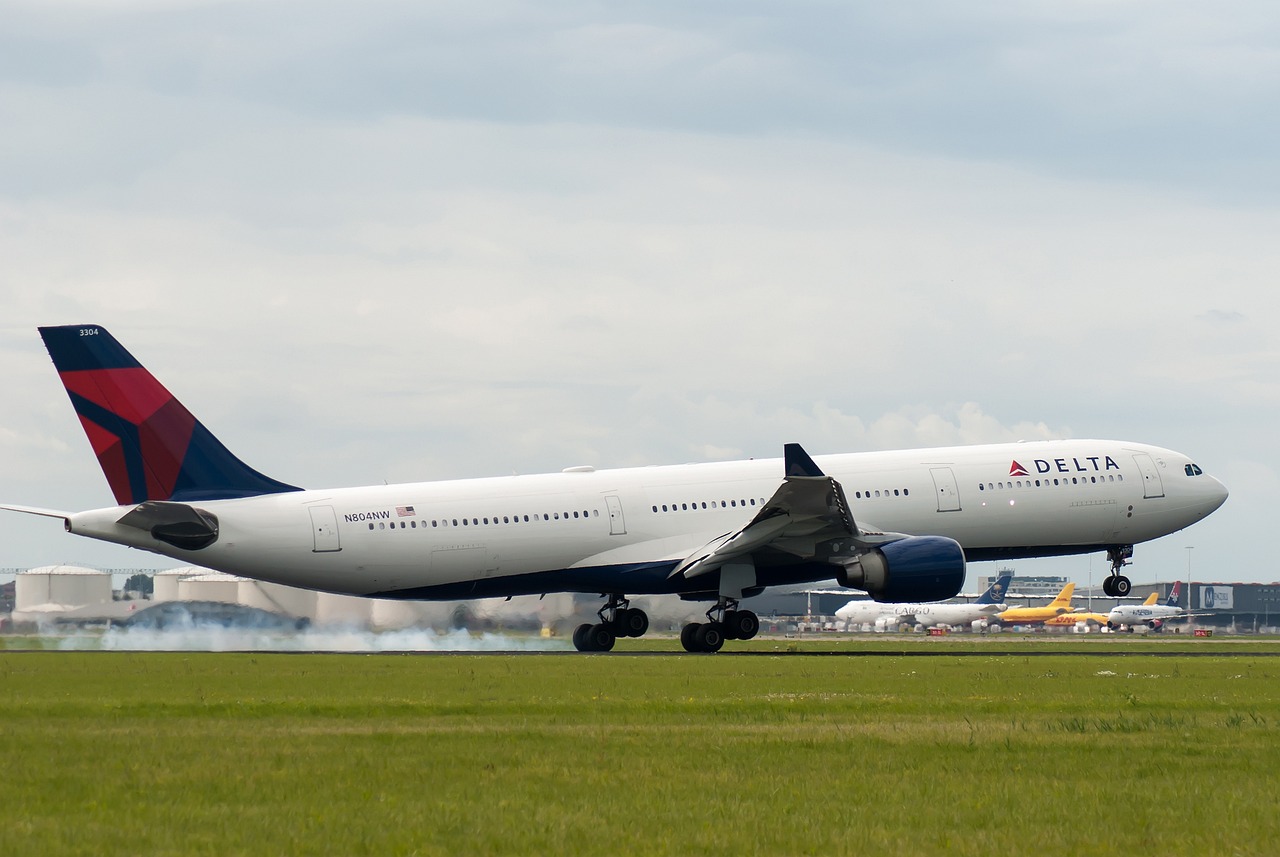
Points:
x=1175 y=595
x=1064 y=597
x=1151 y=599
x=150 y=447
x=997 y=590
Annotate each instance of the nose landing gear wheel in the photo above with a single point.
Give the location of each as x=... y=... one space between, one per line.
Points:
x=1117 y=585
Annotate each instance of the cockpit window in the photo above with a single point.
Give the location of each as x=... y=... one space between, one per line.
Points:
x=1193 y=470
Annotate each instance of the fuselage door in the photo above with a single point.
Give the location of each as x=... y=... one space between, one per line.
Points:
x=948 y=495
x=324 y=528
x=1151 y=484
x=617 y=524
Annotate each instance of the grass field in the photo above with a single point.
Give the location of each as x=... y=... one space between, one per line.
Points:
x=163 y=753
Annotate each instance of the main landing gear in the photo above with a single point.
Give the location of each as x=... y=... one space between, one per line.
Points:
x=616 y=620
x=1117 y=585
x=725 y=622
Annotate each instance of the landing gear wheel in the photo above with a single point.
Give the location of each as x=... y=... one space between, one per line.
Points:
x=601 y=638
x=1117 y=585
x=580 y=641
x=687 y=634
x=631 y=622
x=709 y=638
x=741 y=624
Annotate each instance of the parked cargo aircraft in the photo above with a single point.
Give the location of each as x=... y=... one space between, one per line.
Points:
x=1149 y=613
x=986 y=606
x=1034 y=615
x=1080 y=617
x=718 y=532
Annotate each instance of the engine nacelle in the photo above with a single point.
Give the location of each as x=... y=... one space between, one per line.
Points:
x=920 y=568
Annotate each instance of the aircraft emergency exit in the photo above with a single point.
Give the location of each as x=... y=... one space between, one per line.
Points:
x=899 y=524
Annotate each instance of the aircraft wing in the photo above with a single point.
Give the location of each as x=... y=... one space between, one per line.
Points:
x=807 y=518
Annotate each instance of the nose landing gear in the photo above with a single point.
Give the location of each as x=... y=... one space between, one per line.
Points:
x=1117 y=585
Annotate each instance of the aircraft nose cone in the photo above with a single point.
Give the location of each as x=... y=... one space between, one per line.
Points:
x=1218 y=494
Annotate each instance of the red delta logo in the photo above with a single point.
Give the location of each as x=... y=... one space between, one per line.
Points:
x=1017 y=469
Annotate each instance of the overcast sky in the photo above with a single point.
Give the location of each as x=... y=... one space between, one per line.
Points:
x=401 y=241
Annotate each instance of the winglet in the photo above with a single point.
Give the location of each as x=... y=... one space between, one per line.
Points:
x=798 y=462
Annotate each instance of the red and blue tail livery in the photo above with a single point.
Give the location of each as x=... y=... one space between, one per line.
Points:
x=149 y=445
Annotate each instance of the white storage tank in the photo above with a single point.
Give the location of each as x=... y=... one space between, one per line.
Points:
x=278 y=598
x=350 y=610
x=66 y=586
x=210 y=586
x=388 y=614
x=165 y=583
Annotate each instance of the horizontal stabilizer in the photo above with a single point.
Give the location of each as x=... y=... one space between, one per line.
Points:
x=35 y=510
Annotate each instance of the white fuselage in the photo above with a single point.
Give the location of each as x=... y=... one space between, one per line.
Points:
x=928 y=614
x=620 y=530
x=1130 y=615
x=956 y=615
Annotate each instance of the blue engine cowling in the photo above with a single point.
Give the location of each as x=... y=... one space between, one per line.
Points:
x=919 y=568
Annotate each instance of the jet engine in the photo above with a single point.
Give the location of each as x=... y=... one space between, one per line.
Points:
x=918 y=568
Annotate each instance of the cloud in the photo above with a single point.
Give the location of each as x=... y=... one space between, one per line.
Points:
x=400 y=242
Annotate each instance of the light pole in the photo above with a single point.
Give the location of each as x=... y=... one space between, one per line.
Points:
x=1190 y=548
x=1090 y=584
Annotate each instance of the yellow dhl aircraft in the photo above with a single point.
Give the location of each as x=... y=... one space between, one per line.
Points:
x=1070 y=620
x=1067 y=620
x=1035 y=615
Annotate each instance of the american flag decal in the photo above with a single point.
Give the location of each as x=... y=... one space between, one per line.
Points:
x=405 y=511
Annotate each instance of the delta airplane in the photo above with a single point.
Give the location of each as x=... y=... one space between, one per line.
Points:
x=718 y=532
x=986 y=606
x=1149 y=613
